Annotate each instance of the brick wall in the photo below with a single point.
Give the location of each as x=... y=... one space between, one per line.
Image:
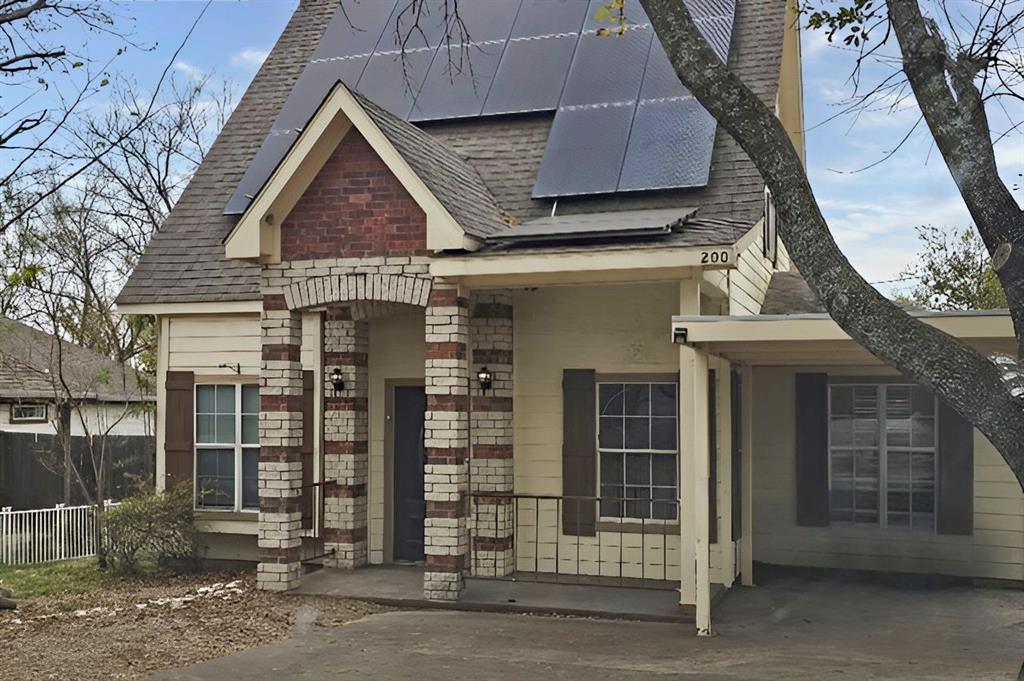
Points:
x=491 y=428
x=354 y=208
x=446 y=473
x=346 y=434
x=280 y=467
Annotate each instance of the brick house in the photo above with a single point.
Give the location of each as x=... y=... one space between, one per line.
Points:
x=409 y=315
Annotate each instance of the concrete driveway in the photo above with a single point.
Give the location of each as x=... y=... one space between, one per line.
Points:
x=794 y=629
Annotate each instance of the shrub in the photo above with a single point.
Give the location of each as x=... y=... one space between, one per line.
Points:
x=150 y=529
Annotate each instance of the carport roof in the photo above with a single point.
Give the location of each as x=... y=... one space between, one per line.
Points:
x=815 y=339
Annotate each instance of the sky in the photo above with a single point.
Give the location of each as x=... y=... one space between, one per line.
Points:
x=872 y=212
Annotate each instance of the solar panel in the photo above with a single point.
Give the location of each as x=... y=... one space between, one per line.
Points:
x=615 y=97
x=669 y=137
x=607 y=69
x=584 y=151
x=669 y=146
x=461 y=74
x=534 y=66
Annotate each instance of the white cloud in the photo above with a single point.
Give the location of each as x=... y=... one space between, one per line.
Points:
x=250 y=57
x=190 y=70
x=879 y=237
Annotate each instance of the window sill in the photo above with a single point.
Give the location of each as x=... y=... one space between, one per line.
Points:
x=632 y=527
x=250 y=516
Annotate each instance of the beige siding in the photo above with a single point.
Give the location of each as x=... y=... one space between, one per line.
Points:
x=112 y=418
x=996 y=549
x=397 y=351
x=749 y=281
x=612 y=329
x=201 y=344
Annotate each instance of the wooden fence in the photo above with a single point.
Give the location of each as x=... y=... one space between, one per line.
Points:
x=28 y=462
x=42 y=535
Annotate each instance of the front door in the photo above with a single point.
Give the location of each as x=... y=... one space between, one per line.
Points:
x=410 y=403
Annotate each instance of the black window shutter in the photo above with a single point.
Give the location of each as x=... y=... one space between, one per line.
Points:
x=712 y=458
x=812 y=506
x=579 y=452
x=179 y=443
x=956 y=473
x=308 y=438
x=737 y=456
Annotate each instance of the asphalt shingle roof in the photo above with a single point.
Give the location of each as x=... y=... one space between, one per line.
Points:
x=448 y=176
x=29 y=360
x=788 y=293
x=185 y=261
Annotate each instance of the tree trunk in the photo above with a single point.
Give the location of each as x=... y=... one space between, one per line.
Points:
x=101 y=549
x=968 y=381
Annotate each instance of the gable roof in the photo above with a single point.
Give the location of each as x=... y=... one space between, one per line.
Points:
x=185 y=260
x=29 y=360
x=447 y=189
x=448 y=176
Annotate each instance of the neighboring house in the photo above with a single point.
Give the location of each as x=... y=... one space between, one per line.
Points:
x=39 y=373
x=449 y=341
x=54 y=397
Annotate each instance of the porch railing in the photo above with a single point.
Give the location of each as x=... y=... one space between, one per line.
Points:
x=311 y=505
x=615 y=541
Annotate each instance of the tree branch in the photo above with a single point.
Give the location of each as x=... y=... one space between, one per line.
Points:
x=969 y=382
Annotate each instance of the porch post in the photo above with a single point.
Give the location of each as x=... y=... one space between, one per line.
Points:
x=699 y=489
x=446 y=423
x=747 y=545
x=280 y=467
x=346 y=435
x=689 y=304
x=726 y=542
x=491 y=517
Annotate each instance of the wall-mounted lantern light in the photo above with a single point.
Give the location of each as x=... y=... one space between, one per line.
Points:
x=486 y=378
x=337 y=380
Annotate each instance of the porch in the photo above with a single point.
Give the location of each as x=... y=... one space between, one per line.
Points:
x=409 y=456
x=402 y=586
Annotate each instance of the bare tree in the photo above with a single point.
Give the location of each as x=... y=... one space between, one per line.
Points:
x=78 y=245
x=91 y=399
x=41 y=150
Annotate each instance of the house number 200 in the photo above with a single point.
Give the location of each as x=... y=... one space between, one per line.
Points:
x=714 y=257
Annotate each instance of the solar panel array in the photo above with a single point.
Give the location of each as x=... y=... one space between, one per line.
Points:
x=623 y=121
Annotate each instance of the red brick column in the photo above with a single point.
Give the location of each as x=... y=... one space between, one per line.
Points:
x=280 y=468
x=446 y=474
x=346 y=438
x=491 y=432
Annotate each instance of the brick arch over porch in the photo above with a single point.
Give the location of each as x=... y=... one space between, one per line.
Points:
x=404 y=289
x=349 y=300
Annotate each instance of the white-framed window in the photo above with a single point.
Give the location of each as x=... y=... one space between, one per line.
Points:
x=882 y=455
x=638 y=450
x=28 y=413
x=227 y=446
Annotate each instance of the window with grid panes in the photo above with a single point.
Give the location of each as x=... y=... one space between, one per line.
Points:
x=227 y=446
x=638 y=450
x=882 y=455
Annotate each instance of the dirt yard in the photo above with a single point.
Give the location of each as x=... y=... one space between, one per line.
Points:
x=129 y=631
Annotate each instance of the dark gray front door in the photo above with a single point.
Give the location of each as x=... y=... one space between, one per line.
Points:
x=410 y=403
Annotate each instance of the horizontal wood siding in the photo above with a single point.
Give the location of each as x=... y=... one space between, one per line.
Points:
x=613 y=329
x=749 y=281
x=995 y=550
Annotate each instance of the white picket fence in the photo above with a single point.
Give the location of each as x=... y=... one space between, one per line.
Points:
x=45 y=534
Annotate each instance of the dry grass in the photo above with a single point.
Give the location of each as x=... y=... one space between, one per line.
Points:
x=91 y=628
